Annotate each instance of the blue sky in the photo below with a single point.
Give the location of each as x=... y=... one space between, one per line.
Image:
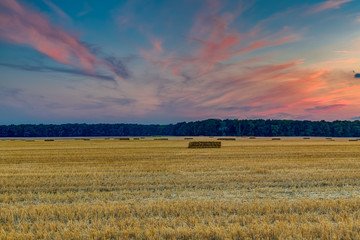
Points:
x=170 y=61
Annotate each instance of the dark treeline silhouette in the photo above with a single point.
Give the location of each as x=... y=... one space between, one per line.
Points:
x=210 y=127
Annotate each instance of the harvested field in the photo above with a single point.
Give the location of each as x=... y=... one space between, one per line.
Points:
x=105 y=189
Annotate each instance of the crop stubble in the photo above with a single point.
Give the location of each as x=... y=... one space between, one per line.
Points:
x=248 y=189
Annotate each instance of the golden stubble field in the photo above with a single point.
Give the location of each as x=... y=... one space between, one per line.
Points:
x=147 y=189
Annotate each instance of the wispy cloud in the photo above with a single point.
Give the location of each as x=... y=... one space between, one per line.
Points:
x=25 y=26
x=87 y=9
x=330 y=4
x=56 y=9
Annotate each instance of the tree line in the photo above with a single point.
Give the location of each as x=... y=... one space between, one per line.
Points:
x=209 y=127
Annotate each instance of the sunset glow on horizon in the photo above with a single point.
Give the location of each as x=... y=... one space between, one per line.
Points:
x=163 y=61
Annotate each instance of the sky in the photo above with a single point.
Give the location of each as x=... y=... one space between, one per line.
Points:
x=160 y=61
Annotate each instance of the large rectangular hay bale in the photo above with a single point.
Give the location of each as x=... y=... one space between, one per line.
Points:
x=204 y=144
x=161 y=139
x=276 y=139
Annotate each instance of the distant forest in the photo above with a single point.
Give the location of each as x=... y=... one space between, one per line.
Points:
x=210 y=127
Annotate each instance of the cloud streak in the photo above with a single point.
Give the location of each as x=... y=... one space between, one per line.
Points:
x=56 y=9
x=327 y=5
x=325 y=108
x=57 y=69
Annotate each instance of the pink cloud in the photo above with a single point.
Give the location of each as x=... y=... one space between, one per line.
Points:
x=213 y=41
x=330 y=4
x=25 y=26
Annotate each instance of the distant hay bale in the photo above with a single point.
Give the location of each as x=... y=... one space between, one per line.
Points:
x=161 y=139
x=328 y=138
x=227 y=139
x=86 y=139
x=204 y=144
x=276 y=139
x=353 y=140
x=188 y=138
x=306 y=138
x=252 y=137
x=123 y=138
x=136 y=138
x=49 y=140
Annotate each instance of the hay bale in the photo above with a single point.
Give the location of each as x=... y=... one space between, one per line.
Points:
x=227 y=139
x=353 y=140
x=161 y=139
x=188 y=138
x=204 y=144
x=276 y=139
x=252 y=137
x=306 y=138
x=86 y=139
x=123 y=138
x=136 y=138
x=328 y=138
x=49 y=140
